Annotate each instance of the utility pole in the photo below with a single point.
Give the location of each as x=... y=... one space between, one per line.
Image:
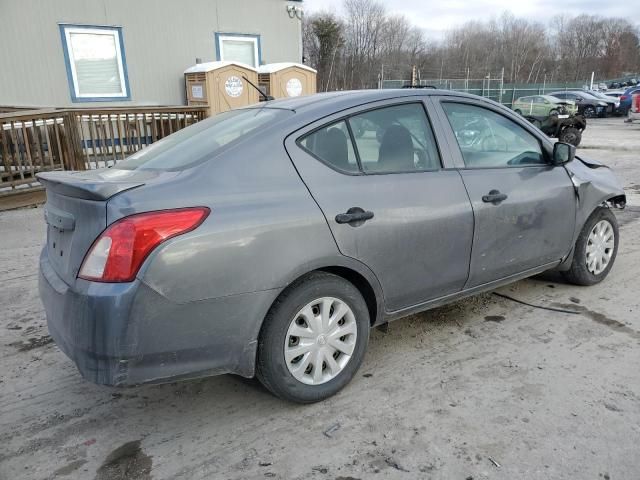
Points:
x=592 y=75
x=413 y=75
x=489 y=85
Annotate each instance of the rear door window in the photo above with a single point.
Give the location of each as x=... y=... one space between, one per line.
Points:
x=395 y=139
x=332 y=145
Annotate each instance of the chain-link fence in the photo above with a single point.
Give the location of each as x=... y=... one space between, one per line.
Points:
x=493 y=88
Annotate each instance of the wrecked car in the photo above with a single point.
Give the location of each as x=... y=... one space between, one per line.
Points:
x=542 y=106
x=267 y=241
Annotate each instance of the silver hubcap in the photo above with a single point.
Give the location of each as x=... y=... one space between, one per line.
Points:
x=320 y=340
x=600 y=247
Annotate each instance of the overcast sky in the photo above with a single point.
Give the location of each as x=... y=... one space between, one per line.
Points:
x=437 y=16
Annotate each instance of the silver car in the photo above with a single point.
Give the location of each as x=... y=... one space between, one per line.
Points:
x=268 y=240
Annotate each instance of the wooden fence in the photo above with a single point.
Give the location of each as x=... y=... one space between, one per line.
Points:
x=33 y=141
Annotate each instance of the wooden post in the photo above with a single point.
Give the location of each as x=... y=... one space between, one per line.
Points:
x=74 y=156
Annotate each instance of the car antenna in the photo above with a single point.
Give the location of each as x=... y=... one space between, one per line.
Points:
x=264 y=95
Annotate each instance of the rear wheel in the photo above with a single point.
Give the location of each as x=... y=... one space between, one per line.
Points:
x=595 y=250
x=313 y=339
x=571 y=135
x=518 y=111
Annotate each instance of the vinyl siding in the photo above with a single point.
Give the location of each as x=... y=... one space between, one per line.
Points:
x=161 y=39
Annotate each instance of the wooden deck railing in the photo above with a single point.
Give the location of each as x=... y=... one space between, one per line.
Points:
x=77 y=139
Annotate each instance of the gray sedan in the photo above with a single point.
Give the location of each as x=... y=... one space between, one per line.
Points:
x=268 y=240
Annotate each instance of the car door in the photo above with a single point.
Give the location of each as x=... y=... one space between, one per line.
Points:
x=579 y=101
x=390 y=201
x=524 y=208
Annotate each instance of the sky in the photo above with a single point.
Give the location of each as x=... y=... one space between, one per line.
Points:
x=436 y=16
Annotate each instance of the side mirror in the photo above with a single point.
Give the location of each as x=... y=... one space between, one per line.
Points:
x=563 y=153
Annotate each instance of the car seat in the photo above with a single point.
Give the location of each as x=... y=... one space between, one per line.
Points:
x=396 y=150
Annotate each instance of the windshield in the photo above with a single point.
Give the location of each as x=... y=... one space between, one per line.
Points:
x=199 y=142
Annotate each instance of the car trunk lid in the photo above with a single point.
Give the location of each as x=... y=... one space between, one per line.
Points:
x=76 y=212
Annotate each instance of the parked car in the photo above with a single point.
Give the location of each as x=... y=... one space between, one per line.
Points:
x=625 y=99
x=614 y=93
x=588 y=106
x=614 y=103
x=602 y=86
x=543 y=106
x=268 y=240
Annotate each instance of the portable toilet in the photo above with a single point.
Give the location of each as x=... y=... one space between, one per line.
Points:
x=281 y=80
x=221 y=85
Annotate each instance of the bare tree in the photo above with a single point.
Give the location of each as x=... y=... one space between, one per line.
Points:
x=351 y=51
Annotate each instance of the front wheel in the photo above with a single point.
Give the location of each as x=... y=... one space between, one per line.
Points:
x=589 y=112
x=314 y=338
x=595 y=250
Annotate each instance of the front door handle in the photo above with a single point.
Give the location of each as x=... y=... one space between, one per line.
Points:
x=355 y=216
x=494 y=197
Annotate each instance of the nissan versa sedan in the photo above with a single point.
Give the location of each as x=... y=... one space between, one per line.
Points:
x=268 y=241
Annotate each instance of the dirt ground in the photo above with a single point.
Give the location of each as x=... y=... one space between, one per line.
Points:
x=485 y=388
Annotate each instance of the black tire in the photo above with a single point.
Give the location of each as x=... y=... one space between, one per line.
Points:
x=554 y=112
x=571 y=135
x=271 y=368
x=589 y=111
x=579 y=274
x=518 y=111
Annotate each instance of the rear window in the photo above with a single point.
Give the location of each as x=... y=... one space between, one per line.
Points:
x=201 y=141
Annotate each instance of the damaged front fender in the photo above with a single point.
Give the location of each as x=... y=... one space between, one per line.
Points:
x=595 y=185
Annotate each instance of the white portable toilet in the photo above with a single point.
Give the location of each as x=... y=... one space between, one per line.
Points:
x=282 y=80
x=221 y=85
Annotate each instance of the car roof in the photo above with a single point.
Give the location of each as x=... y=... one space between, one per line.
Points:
x=351 y=98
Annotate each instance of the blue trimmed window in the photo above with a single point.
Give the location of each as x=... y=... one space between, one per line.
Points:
x=239 y=47
x=96 y=64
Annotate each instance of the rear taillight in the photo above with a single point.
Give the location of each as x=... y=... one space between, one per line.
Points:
x=116 y=255
x=624 y=97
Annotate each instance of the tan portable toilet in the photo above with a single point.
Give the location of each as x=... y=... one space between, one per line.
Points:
x=221 y=85
x=281 y=80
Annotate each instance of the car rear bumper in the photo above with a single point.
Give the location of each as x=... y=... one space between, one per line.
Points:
x=128 y=334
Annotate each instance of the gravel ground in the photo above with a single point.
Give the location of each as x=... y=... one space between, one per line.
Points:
x=485 y=388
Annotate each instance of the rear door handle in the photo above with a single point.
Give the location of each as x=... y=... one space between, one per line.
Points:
x=494 y=197
x=355 y=216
